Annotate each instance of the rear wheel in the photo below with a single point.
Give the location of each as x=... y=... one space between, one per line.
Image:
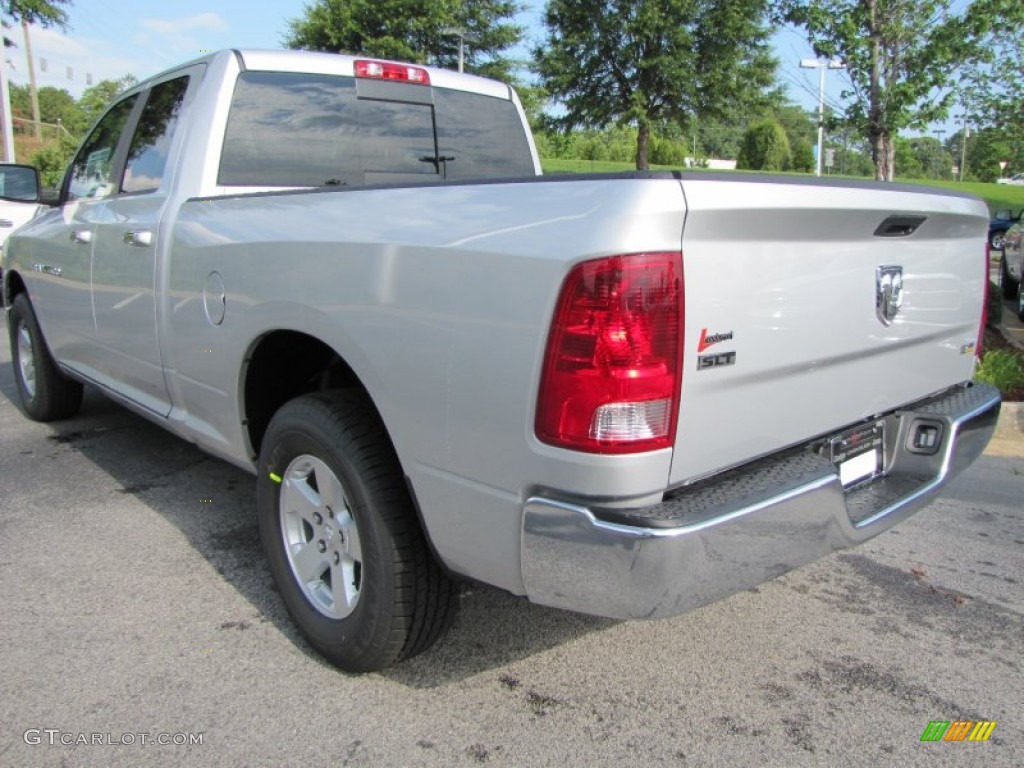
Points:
x=342 y=537
x=45 y=393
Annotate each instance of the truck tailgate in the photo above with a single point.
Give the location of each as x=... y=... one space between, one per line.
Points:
x=811 y=306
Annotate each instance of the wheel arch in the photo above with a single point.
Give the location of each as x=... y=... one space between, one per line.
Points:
x=281 y=365
x=13 y=284
x=284 y=364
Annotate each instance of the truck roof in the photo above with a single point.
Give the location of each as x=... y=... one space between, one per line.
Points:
x=344 y=65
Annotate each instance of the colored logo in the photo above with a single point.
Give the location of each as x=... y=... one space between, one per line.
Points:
x=715 y=338
x=958 y=730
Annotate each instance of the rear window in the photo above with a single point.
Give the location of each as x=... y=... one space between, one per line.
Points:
x=305 y=130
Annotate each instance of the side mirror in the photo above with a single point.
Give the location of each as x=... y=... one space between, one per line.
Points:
x=19 y=183
x=50 y=197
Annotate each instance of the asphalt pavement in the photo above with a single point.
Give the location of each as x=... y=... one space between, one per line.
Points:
x=137 y=608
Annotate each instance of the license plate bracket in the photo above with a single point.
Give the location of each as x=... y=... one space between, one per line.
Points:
x=859 y=453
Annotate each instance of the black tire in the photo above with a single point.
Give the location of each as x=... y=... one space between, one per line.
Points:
x=46 y=394
x=1008 y=283
x=997 y=239
x=1020 y=301
x=371 y=593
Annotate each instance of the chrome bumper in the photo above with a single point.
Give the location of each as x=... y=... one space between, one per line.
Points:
x=746 y=526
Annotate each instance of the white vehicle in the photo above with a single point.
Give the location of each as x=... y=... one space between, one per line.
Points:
x=625 y=395
x=19 y=197
x=1017 y=178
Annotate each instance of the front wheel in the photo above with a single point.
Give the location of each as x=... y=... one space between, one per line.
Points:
x=1020 y=300
x=342 y=537
x=997 y=239
x=46 y=394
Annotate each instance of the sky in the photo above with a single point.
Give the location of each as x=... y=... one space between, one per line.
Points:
x=106 y=39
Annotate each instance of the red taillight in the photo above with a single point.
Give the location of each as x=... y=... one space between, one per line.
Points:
x=387 y=70
x=613 y=366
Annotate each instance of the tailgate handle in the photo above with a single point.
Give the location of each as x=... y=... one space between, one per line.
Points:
x=899 y=226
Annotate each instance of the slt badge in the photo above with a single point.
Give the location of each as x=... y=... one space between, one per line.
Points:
x=888 y=293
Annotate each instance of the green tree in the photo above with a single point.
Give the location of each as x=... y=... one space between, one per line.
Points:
x=96 y=98
x=765 y=148
x=931 y=157
x=853 y=154
x=995 y=100
x=44 y=13
x=797 y=122
x=645 y=62
x=802 y=155
x=719 y=137
x=906 y=159
x=52 y=160
x=21 y=100
x=409 y=30
x=986 y=149
x=56 y=105
x=534 y=99
x=902 y=57
x=802 y=133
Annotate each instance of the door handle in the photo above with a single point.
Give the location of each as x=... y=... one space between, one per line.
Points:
x=83 y=236
x=140 y=238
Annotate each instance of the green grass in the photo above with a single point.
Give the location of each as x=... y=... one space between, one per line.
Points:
x=998 y=196
x=592 y=166
x=1002 y=368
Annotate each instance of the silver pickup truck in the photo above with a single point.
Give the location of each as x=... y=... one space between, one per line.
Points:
x=624 y=395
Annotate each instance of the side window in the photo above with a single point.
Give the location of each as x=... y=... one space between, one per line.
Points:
x=147 y=156
x=290 y=130
x=90 y=171
x=483 y=136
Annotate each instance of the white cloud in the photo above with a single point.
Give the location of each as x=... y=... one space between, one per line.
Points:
x=81 y=55
x=180 y=35
x=72 y=61
x=203 y=21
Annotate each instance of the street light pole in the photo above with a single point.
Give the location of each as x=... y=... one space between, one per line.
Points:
x=821 y=66
x=464 y=37
x=963 y=145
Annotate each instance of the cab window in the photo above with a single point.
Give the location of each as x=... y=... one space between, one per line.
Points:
x=90 y=172
x=151 y=144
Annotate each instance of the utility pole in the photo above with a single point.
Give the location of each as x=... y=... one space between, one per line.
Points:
x=821 y=66
x=33 y=91
x=5 y=103
x=939 y=133
x=963 y=146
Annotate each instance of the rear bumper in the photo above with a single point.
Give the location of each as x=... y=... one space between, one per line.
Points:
x=746 y=526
